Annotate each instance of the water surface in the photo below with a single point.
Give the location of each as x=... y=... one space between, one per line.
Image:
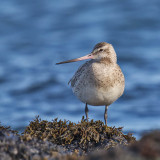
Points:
x=36 y=35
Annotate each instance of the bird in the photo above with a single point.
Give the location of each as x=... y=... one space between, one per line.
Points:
x=99 y=81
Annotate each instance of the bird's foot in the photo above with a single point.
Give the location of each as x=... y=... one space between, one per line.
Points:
x=86 y=120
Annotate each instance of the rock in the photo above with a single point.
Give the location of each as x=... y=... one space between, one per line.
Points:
x=60 y=140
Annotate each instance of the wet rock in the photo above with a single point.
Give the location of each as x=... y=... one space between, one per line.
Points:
x=60 y=140
x=148 y=148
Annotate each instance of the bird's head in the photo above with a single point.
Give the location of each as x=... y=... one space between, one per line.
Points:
x=101 y=51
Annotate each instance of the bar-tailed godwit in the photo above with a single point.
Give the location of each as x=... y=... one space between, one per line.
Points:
x=99 y=81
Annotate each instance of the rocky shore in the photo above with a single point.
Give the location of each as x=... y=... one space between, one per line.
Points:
x=43 y=140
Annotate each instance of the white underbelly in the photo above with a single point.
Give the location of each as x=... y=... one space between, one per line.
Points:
x=98 y=97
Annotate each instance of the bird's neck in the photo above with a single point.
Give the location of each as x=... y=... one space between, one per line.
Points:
x=107 y=60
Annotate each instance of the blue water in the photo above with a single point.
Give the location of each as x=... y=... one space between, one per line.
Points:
x=36 y=35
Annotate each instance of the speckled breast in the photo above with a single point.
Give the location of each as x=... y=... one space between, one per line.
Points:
x=98 y=84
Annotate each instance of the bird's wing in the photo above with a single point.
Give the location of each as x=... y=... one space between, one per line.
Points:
x=78 y=73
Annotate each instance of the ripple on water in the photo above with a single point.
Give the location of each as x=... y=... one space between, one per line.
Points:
x=34 y=38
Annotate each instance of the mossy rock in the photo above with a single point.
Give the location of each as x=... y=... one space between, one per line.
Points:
x=84 y=136
x=37 y=146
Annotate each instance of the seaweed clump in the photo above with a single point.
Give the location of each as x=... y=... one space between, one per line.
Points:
x=84 y=136
x=12 y=147
x=8 y=130
x=26 y=146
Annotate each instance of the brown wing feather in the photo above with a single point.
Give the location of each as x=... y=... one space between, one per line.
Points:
x=78 y=73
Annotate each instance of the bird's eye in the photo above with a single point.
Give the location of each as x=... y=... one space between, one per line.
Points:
x=101 y=50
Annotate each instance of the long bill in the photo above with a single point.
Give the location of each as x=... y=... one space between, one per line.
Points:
x=89 y=56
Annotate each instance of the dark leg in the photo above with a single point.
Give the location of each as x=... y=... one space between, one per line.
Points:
x=105 y=115
x=86 y=112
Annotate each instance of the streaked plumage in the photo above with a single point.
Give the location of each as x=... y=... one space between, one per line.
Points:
x=100 y=81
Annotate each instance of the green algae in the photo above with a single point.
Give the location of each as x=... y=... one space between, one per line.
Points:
x=83 y=135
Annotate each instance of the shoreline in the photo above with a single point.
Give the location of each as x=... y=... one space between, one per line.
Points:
x=67 y=140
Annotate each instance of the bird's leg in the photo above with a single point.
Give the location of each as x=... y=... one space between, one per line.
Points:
x=86 y=112
x=105 y=115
